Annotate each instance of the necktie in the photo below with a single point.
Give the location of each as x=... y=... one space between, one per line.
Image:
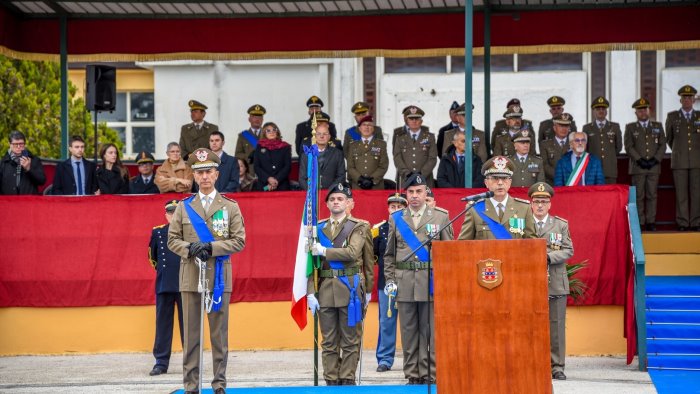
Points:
x=601 y=125
x=460 y=162
x=334 y=226
x=206 y=203
x=563 y=143
x=522 y=160
x=687 y=116
x=415 y=137
x=500 y=211
x=199 y=127
x=539 y=226
x=366 y=142
x=80 y=178
x=146 y=180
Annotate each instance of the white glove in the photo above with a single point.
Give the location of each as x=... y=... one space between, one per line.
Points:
x=312 y=302
x=368 y=298
x=317 y=249
x=391 y=288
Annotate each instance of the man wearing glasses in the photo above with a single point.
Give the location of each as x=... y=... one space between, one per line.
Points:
x=20 y=171
x=578 y=167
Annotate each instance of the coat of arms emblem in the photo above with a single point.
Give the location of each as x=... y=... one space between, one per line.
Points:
x=489 y=274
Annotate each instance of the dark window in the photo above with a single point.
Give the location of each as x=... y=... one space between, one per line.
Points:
x=647 y=79
x=119 y=113
x=144 y=139
x=598 y=67
x=550 y=62
x=121 y=131
x=415 y=65
x=683 y=58
x=142 y=107
x=499 y=63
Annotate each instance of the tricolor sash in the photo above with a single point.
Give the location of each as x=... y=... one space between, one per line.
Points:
x=578 y=171
x=250 y=137
x=354 y=134
x=496 y=228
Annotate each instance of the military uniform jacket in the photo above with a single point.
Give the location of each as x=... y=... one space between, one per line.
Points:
x=546 y=130
x=478 y=143
x=244 y=149
x=605 y=143
x=474 y=227
x=645 y=143
x=413 y=284
x=683 y=137
x=303 y=131
x=332 y=293
x=550 y=152
x=501 y=128
x=399 y=131
x=331 y=168
x=164 y=261
x=504 y=146
x=528 y=173
x=379 y=247
x=191 y=138
x=559 y=249
x=419 y=155
x=181 y=234
x=371 y=160
x=347 y=139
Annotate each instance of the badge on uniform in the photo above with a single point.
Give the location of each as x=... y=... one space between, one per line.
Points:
x=432 y=229
x=517 y=225
x=376 y=149
x=555 y=241
x=220 y=222
x=263 y=150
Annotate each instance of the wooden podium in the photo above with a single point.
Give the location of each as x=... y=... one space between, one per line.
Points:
x=492 y=340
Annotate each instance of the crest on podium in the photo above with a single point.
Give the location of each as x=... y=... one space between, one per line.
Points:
x=489 y=274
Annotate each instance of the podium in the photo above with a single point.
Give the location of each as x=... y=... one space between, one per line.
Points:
x=492 y=316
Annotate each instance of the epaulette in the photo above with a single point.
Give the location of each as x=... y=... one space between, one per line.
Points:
x=380 y=224
x=562 y=219
x=227 y=198
x=522 y=200
x=159 y=226
x=443 y=210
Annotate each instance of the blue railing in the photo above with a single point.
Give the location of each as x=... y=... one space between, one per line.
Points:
x=639 y=279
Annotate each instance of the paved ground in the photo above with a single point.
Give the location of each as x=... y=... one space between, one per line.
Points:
x=120 y=373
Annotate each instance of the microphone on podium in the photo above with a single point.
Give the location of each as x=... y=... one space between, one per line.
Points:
x=477 y=197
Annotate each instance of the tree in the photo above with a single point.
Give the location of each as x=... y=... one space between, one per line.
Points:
x=30 y=101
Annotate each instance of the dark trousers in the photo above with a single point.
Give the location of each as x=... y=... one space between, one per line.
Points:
x=165 y=316
x=687 y=183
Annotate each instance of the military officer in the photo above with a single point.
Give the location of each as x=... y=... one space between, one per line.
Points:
x=167 y=266
x=331 y=164
x=501 y=216
x=452 y=125
x=478 y=136
x=144 y=183
x=556 y=108
x=248 y=139
x=559 y=249
x=415 y=151
x=553 y=149
x=528 y=168
x=359 y=110
x=196 y=134
x=645 y=143
x=683 y=134
x=408 y=280
x=503 y=145
x=342 y=290
x=209 y=227
x=604 y=138
x=501 y=127
x=368 y=159
x=401 y=130
x=303 y=130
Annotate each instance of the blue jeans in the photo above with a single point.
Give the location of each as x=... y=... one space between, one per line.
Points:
x=386 y=343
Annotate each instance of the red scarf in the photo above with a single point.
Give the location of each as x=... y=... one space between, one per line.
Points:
x=273 y=144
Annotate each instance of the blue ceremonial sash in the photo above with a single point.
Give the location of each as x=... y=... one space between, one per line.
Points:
x=408 y=236
x=252 y=139
x=496 y=228
x=205 y=235
x=354 y=134
x=355 y=304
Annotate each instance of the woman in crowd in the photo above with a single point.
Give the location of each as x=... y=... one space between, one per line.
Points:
x=112 y=176
x=246 y=179
x=272 y=160
x=174 y=175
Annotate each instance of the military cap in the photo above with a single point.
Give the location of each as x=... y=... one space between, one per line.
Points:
x=540 y=189
x=498 y=165
x=514 y=111
x=322 y=117
x=366 y=118
x=145 y=157
x=564 y=119
x=429 y=192
x=171 y=205
x=641 y=103
x=413 y=112
x=687 y=90
x=360 y=107
x=461 y=109
x=257 y=110
x=512 y=102
x=454 y=106
x=414 y=179
x=194 y=104
x=398 y=198
x=600 y=102
x=555 y=100
x=202 y=159
x=314 y=101
x=340 y=187
x=522 y=136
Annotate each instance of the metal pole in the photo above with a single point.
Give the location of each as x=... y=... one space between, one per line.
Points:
x=487 y=75
x=63 y=27
x=468 y=66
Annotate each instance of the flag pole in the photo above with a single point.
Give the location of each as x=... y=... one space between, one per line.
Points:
x=316 y=259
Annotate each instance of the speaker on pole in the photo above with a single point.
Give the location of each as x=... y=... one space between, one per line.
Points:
x=101 y=87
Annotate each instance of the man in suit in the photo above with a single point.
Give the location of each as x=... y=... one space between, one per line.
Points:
x=196 y=134
x=248 y=139
x=331 y=165
x=359 y=110
x=501 y=216
x=683 y=135
x=604 y=138
x=556 y=108
x=209 y=227
x=408 y=280
x=501 y=127
x=478 y=136
x=167 y=266
x=75 y=176
x=342 y=289
x=441 y=145
x=552 y=149
x=645 y=144
x=368 y=159
x=528 y=168
x=559 y=249
x=303 y=130
x=402 y=130
x=228 y=179
x=20 y=171
x=451 y=168
x=144 y=183
x=503 y=145
x=415 y=151
x=578 y=167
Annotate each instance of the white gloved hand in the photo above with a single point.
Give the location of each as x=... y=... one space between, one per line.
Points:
x=312 y=303
x=318 y=250
x=391 y=288
x=368 y=298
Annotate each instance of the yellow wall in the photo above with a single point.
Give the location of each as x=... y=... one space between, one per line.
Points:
x=590 y=330
x=127 y=80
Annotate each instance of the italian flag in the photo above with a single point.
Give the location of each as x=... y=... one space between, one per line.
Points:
x=578 y=170
x=303 y=268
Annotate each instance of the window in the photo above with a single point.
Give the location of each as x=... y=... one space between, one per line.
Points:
x=499 y=63
x=397 y=65
x=683 y=58
x=134 y=120
x=550 y=62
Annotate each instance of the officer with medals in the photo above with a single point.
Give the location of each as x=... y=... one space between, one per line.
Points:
x=503 y=145
x=556 y=108
x=452 y=125
x=367 y=158
x=501 y=216
x=167 y=266
x=604 y=138
x=408 y=282
x=501 y=127
x=360 y=110
x=209 y=227
x=408 y=123
x=416 y=150
x=343 y=290
x=528 y=168
x=196 y=134
x=553 y=149
x=559 y=249
x=248 y=139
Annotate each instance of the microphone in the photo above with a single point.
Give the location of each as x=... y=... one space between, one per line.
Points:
x=477 y=197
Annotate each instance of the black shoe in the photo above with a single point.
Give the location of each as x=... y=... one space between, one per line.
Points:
x=413 y=381
x=558 y=375
x=191 y=392
x=651 y=227
x=220 y=390
x=383 y=368
x=695 y=228
x=424 y=380
x=347 y=382
x=682 y=228
x=332 y=382
x=158 y=370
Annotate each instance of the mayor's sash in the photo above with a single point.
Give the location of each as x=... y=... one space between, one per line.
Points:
x=496 y=228
x=578 y=170
x=250 y=137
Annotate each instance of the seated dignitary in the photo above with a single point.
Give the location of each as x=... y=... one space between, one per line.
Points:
x=247 y=179
x=452 y=166
x=478 y=137
x=331 y=164
x=144 y=182
x=368 y=159
x=528 y=167
x=20 y=171
x=503 y=145
x=112 y=176
x=174 y=175
x=408 y=280
x=207 y=227
x=552 y=149
x=272 y=160
x=303 y=130
x=228 y=179
x=415 y=151
x=167 y=266
x=604 y=138
x=359 y=110
x=248 y=139
x=559 y=249
x=578 y=167
x=343 y=289
x=75 y=176
x=501 y=216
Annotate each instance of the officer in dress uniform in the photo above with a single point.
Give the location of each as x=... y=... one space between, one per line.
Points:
x=559 y=249
x=196 y=134
x=604 y=138
x=167 y=266
x=501 y=127
x=144 y=183
x=359 y=110
x=556 y=108
x=503 y=145
x=553 y=149
x=501 y=216
x=528 y=168
x=343 y=290
x=367 y=157
x=452 y=125
x=415 y=151
x=401 y=130
x=303 y=130
x=408 y=280
x=683 y=134
x=478 y=136
x=645 y=143
x=248 y=139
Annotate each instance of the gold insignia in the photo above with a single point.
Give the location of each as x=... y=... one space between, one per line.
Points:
x=314 y=99
x=191 y=103
x=642 y=101
x=257 y=108
x=555 y=99
x=201 y=155
x=540 y=188
x=488 y=273
x=687 y=89
x=600 y=99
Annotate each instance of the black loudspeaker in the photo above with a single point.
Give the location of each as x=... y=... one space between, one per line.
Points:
x=101 y=87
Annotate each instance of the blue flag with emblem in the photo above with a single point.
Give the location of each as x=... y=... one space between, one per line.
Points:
x=496 y=228
x=250 y=137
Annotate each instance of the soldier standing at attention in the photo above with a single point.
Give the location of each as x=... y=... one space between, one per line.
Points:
x=478 y=136
x=359 y=110
x=452 y=125
x=501 y=127
x=248 y=139
x=604 y=138
x=503 y=145
x=553 y=149
x=368 y=159
x=556 y=108
x=415 y=151
x=196 y=134
x=528 y=168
